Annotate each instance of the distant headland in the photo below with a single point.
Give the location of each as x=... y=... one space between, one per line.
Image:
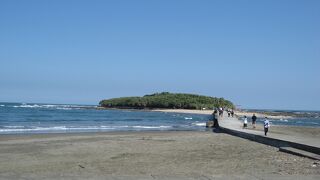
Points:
x=167 y=100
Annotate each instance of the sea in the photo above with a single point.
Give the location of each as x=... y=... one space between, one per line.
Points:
x=34 y=118
x=299 y=117
x=17 y=118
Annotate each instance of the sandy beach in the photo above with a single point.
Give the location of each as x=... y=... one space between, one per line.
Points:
x=186 y=111
x=237 y=113
x=146 y=155
x=152 y=155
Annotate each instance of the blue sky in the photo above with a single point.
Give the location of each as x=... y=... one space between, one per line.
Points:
x=258 y=54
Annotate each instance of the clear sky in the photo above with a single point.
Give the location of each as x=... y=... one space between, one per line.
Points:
x=258 y=54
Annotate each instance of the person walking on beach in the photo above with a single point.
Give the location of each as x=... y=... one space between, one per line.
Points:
x=254 y=118
x=232 y=113
x=220 y=112
x=215 y=119
x=266 y=126
x=245 y=122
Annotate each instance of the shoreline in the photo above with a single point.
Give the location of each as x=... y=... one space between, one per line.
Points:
x=184 y=111
x=207 y=112
x=203 y=112
x=305 y=131
x=237 y=113
x=92 y=133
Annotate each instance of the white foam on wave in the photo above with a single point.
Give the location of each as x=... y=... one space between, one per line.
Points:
x=65 y=108
x=187 y=117
x=1 y=105
x=51 y=106
x=74 y=128
x=13 y=126
x=151 y=127
x=199 y=124
x=56 y=128
x=27 y=106
x=115 y=127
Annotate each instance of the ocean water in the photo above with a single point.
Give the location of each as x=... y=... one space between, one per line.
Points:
x=17 y=118
x=301 y=118
x=20 y=118
x=310 y=122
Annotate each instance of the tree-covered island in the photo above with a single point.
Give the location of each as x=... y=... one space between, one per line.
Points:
x=167 y=100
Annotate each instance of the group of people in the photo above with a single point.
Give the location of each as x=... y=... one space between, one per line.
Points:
x=230 y=112
x=218 y=112
x=266 y=123
x=221 y=110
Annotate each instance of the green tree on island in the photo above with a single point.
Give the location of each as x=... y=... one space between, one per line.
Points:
x=167 y=100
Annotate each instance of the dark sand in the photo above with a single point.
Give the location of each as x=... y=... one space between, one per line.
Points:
x=147 y=155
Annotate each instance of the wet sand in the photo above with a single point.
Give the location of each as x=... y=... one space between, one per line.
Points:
x=146 y=155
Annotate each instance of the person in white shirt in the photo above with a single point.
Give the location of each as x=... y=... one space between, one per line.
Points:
x=245 y=122
x=266 y=126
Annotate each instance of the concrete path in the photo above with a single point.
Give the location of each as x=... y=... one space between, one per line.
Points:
x=234 y=126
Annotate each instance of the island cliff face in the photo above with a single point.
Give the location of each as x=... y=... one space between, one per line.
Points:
x=167 y=100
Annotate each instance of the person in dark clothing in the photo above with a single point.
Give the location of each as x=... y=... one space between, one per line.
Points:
x=266 y=125
x=215 y=119
x=220 y=112
x=254 y=119
x=232 y=113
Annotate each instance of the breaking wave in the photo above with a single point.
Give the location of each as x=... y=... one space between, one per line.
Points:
x=52 y=106
x=77 y=129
